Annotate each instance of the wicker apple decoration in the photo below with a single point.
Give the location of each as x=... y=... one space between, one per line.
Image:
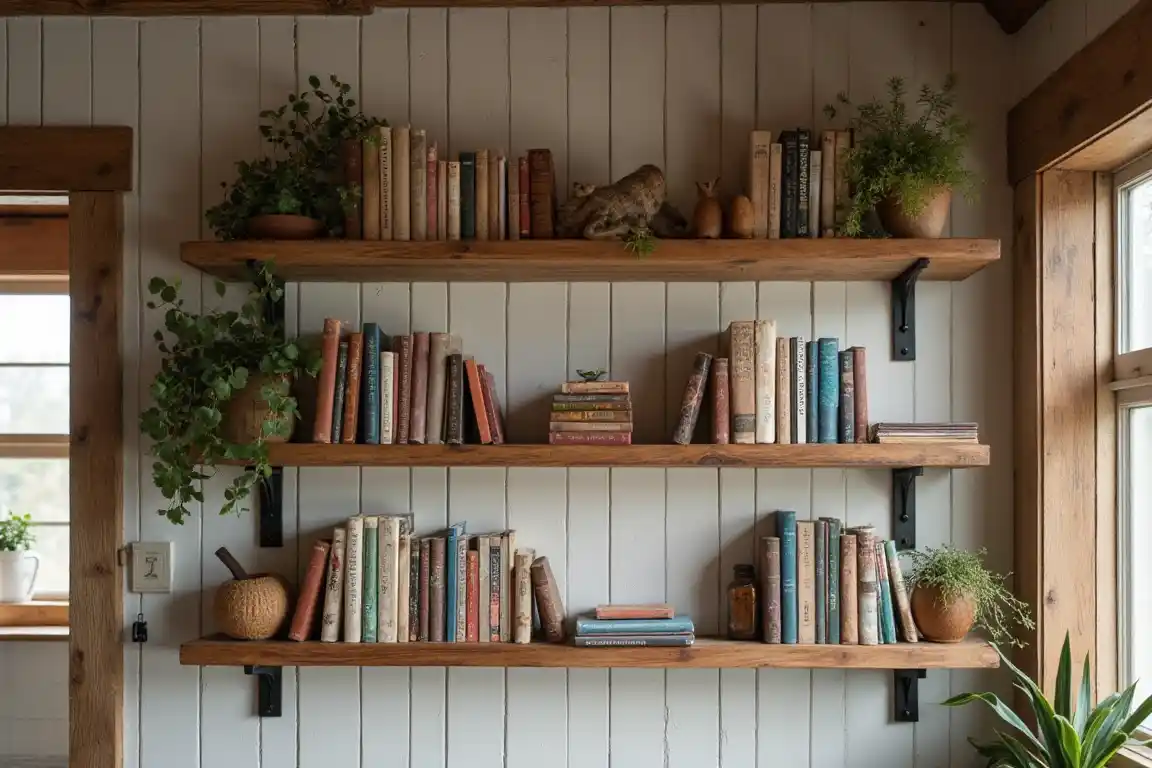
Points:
x=249 y=607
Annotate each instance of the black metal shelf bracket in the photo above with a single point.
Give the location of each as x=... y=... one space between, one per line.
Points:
x=269 y=689
x=906 y=694
x=904 y=506
x=904 y=311
x=271 y=490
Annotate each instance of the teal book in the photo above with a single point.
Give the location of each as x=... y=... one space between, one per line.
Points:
x=338 y=395
x=821 y=530
x=586 y=625
x=829 y=390
x=451 y=593
x=835 y=528
x=887 y=615
x=786 y=530
x=370 y=386
x=370 y=578
x=812 y=400
x=467 y=195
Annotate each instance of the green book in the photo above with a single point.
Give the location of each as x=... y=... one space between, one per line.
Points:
x=821 y=532
x=338 y=394
x=835 y=528
x=887 y=615
x=369 y=577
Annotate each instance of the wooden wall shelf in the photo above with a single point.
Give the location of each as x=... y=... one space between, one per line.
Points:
x=218 y=651
x=558 y=260
x=860 y=455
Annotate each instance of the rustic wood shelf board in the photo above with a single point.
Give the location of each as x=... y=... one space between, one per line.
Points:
x=33 y=634
x=863 y=455
x=557 y=260
x=218 y=651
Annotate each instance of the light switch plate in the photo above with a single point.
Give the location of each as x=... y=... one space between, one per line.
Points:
x=151 y=566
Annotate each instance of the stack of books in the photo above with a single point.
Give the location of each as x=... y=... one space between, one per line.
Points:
x=634 y=625
x=822 y=584
x=797 y=189
x=373 y=581
x=932 y=432
x=591 y=413
x=418 y=388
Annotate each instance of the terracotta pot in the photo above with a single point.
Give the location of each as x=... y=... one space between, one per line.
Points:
x=254 y=608
x=940 y=621
x=283 y=226
x=245 y=414
x=929 y=224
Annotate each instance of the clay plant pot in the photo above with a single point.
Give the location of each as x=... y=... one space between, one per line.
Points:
x=245 y=414
x=941 y=621
x=929 y=224
x=283 y=226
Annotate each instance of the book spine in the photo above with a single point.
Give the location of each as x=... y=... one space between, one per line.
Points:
x=775 y=188
x=868 y=590
x=674 y=625
x=770 y=585
x=369 y=202
x=419 y=389
x=741 y=353
x=669 y=641
x=402 y=183
x=507 y=563
x=650 y=611
x=525 y=198
x=819 y=533
x=494 y=232
x=849 y=605
x=783 y=391
x=455 y=199
x=847 y=415
x=522 y=624
x=352 y=388
x=815 y=192
x=482 y=201
x=842 y=202
x=353 y=586
x=800 y=392
x=352 y=161
x=549 y=605
x=888 y=615
x=495 y=593
x=828 y=184
x=617 y=388
x=455 y=419
x=338 y=391
x=491 y=405
x=721 y=425
x=432 y=183
x=326 y=384
x=467 y=195
x=450 y=596
x=790 y=186
x=436 y=600
x=413 y=589
x=805 y=582
x=765 y=381
x=860 y=394
x=590 y=438
x=484 y=589
x=387 y=407
x=418 y=184
x=370 y=605
x=461 y=588
x=812 y=391
x=387 y=212
x=334 y=589
x=403 y=347
x=442 y=202
x=786 y=530
x=302 y=619
x=472 y=610
x=900 y=593
x=589 y=426
x=693 y=397
x=437 y=379
x=829 y=390
x=476 y=397
x=803 y=180
x=606 y=405
x=542 y=192
x=611 y=416
x=513 y=199
x=389 y=579
x=832 y=574
x=403 y=586
x=425 y=607
x=370 y=384
x=758 y=181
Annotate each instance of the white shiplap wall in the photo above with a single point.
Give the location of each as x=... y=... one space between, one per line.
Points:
x=606 y=89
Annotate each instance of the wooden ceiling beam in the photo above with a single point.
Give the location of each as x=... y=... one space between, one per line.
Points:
x=1012 y=15
x=52 y=159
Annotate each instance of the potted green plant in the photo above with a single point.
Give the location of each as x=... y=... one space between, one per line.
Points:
x=298 y=190
x=1063 y=738
x=16 y=539
x=952 y=591
x=223 y=392
x=906 y=164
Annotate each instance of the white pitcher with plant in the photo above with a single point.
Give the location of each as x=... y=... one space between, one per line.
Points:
x=17 y=580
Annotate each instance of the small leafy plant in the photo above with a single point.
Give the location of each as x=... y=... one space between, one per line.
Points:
x=958 y=574
x=302 y=173
x=16 y=533
x=1086 y=738
x=205 y=360
x=898 y=155
x=640 y=241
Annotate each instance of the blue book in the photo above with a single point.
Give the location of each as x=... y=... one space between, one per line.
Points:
x=835 y=528
x=467 y=195
x=887 y=616
x=370 y=386
x=829 y=390
x=786 y=530
x=450 y=591
x=821 y=531
x=812 y=380
x=586 y=625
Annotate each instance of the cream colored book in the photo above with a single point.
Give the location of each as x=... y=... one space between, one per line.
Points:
x=514 y=202
x=334 y=589
x=815 y=191
x=442 y=200
x=868 y=592
x=482 y=232
x=403 y=577
x=495 y=164
x=454 y=200
x=806 y=582
x=401 y=183
x=370 y=191
x=843 y=146
x=758 y=180
x=742 y=380
x=353 y=552
x=765 y=381
x=418 y=179
x=522 y=616
x=387 y=388
x=783 y=391
x=775 y=168
x=388 y=601
x=828 y=184
x=387 y=214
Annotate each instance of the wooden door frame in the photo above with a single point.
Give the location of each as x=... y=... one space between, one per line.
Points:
x=94 y=165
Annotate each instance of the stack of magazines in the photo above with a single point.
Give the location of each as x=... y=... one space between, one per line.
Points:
x=935 y=432
x=636 y=626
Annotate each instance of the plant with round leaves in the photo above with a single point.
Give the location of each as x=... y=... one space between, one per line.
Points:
x=205 y=360
x=16 y=533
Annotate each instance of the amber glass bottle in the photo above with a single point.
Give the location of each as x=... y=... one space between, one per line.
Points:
x=742 y=610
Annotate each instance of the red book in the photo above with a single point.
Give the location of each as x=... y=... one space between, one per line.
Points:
x=473 y=606
x=590 y=438
x=301 y=628
x=472 y=372
x=542 y=192
x=425 y=569
x=403 y=397
x=352 y=392
x=650 y=611
x=721 y=431
x=436 y=591
x=419 y=389
x=326 y=384
x=860 y=403
x=525 y=200
x=433 y=195
x=492 y=406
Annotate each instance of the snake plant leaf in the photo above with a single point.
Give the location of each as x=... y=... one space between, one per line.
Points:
x=1004 y=712
x=1084 y=702
x=1069 y=742
x=1110 y=747
x=1120 y=709
x=1138 y=717
x=1062 y=702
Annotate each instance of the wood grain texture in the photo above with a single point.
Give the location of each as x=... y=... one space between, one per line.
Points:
x=34 y=634
x=33 y=247
x=536 y=261
x=34 y=614
x=33 y=447
x=54 y=158
x=706 y=653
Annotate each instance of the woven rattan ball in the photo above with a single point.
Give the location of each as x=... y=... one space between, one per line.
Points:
x=251 y=609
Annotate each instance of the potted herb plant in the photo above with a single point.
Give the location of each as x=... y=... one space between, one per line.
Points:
x=906 y=163
x=952 y=591
x=298 y=190
x=223 y=392
x=1063 y=737
x=16 y=539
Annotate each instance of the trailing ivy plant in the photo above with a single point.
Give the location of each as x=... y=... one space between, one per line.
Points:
x=205 y=359
x=904 y=155
x=302 y=174
x=16 y=533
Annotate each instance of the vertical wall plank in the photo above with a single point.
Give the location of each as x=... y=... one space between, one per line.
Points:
x=478 y=79
x=637 y=92
x=737 y=93
x=67 y=94
x=637 y=343
x=538 y=63
x=428 y=74
x=384 y=76
x=784 y=101
x=537 y=357
x=4 y=76
x=692 y=117
x=24 y=57
x=589 y=78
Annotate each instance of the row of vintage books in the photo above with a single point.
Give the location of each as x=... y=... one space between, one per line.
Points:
x=373 y=581
x=410 y=193
x=416 y=388
x=796 y=189
x=591 y=413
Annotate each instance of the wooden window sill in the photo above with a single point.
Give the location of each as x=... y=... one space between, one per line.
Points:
x=1134 y=757
x=33 y=634
x=37 y=613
